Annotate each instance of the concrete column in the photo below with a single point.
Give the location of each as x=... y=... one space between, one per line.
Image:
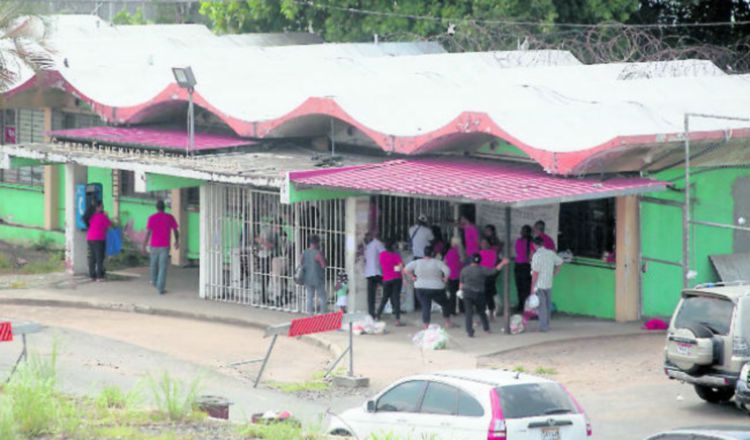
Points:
x=116 y=192
x=357 y=216
x=180 y=213
x=75 y=239
x=627 y=279
x=51 y=189
x=203 y=262
x=51 y=198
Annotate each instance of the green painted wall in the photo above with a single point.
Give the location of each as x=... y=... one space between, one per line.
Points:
x=585 y=288
x=661 y=233
x=22 y=205
x=194 y=237
x=26 y=236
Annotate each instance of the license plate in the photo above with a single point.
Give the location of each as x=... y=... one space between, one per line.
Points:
x=684 y=349
x=551 y=434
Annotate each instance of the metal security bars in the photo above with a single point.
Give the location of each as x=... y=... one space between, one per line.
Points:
x=253 y=244
x=393 y=216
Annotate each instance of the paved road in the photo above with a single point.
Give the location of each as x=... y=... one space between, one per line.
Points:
x=621 y=384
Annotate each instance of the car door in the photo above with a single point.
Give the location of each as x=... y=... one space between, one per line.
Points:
x=449 y=413
x=395 y=411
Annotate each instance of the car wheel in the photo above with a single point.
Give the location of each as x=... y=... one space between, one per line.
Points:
x=713 y=394
x=341 y=433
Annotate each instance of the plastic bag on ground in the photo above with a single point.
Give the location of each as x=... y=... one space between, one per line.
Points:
x=433 y=338
x=368 y=326
x=517 y=324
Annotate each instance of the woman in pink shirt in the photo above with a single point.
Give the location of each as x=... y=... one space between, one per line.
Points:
x=489 y=259
x=524 y=250
x=391 y=265
x=471 y=235
x=96 y=236
x=454 y=259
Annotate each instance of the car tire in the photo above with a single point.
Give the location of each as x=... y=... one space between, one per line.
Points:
x=340 y=433
x=713 y=394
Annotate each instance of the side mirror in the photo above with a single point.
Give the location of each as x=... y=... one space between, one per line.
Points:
x=370 y=406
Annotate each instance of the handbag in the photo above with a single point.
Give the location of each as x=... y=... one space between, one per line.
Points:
x=299 y=275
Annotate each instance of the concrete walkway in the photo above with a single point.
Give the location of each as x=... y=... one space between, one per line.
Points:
x=381 y=357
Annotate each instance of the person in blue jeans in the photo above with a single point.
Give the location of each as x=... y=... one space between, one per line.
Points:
x=158 y=236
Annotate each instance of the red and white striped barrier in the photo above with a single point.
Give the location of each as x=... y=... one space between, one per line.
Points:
x=6 y=332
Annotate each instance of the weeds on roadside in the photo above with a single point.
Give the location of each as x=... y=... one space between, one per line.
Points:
x=280 y=431
x=113 y=397
x=173 y=398
x=317 y=383
x=5 y=262
x=519 y=369
x=543 y=371
x=7 y=422
x=53 y=263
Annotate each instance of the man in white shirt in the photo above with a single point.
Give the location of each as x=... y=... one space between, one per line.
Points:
x=545 y=264
x=373 y=272
x=420 y=236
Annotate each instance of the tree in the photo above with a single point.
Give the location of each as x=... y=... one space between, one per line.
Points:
x=22 y=43
x=126 y=18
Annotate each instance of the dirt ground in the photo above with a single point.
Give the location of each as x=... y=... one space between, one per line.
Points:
x=597 y=364
x=202 y=343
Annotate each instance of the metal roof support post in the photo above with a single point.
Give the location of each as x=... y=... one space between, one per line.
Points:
x=506 y=275
x=191 y=122
x=686 y=209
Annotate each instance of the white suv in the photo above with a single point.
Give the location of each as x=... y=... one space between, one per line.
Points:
x=468 y=405
x=708 y=342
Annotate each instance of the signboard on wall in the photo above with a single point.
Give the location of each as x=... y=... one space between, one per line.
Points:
x=495 y=215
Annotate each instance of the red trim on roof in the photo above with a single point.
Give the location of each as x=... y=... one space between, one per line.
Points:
x=468 y=123
x=150 y=138
x=467 y=179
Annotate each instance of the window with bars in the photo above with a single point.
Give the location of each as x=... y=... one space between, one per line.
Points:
x=587 y=228
x=30 y=176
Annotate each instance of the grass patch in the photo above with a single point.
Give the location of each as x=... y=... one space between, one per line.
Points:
x=519 y=369
x=175 y=399
x=317 y=383
x=542 y=371
x=5 y=262
x=54 y=263
x=280 y=431
x=17 y=284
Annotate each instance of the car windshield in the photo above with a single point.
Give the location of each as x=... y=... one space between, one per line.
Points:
x=712 y=313
x=535 y=399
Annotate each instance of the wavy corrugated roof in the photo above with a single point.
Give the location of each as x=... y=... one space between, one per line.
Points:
x=405 y=98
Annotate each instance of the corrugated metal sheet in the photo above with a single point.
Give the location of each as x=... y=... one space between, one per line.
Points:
x=169 y=139
x=559 y=112
x=471 y=180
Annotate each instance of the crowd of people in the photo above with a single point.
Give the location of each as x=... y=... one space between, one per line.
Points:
x=460 y=277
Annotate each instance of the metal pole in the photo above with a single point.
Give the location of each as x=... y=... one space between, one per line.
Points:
x=506 y=275
x=265 y=361
x=686 y=209
x=191 y=122
x=351 y=350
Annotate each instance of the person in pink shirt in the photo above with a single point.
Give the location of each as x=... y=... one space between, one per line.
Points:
x=549 y=243
x=96 y=237
x=489 y=260
x=454 y=259
x=471 y=235
x=391 y=265
x=158 y=235
x=524 y=250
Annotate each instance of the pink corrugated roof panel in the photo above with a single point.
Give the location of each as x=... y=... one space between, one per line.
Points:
x=471 y=180
x=167 y=139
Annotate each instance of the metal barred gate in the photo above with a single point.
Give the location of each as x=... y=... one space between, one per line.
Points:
x=253 y=243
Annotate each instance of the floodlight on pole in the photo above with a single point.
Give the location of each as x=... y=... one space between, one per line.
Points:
x=186 y=80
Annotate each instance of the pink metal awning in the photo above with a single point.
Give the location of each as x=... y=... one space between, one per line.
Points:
x=153 y=138
x=467 y=180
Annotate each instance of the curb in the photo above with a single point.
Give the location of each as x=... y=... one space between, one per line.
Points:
x=568 y=340
x=333 y=349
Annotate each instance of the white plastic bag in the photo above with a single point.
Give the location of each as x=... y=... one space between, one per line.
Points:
x=532 y=302
x=368 y=326
x=433 y=338
x=516 y=324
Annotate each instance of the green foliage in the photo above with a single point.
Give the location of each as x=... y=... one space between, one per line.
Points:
x=53 y=263
x=5 y=262
x=126 y=18
x=317 y=383
x=519 y=369
x=7 y=422
x=279 y=431
x=543 y=371
x=595 y=11
x=113 y=397
x=44 y=243
x=173 y=398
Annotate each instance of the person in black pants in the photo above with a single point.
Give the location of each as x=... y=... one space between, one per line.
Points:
x=524 y=249
x=391 y=264
x=473 y=282
x=429 y=276
x=97 y=223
